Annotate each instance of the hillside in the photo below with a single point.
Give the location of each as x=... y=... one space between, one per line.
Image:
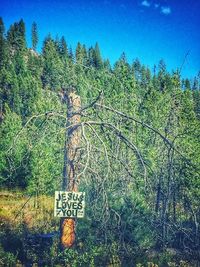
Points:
x=138 y=156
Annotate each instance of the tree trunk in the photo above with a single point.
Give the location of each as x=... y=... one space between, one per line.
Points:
x=71 y=158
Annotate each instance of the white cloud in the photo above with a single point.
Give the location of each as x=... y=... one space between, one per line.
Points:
x=165 y=10
x=145 y=3
x=156 y=5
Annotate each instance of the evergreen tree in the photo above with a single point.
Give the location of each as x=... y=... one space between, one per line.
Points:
x=34 y=35
x=97 y=57
x=195 y=85
x=2 y=44
x=84 y=55
x=79 y=54
x=71 y=55
x=107 y=64
x=91 y=57
x=53 y=65
x=187 y=85
x=63 y=50
x=34 y=65
x=9 y=89
x=196 y=99
x=136 y=67
x=162 y=72
x=16 y=37
x=14 y=167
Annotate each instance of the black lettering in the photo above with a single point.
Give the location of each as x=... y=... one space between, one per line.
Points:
x=75 y=205
x=74 y=213
x=64 y=212
x=69 y=212
x=69 y=205
x=81 y=197
x=80 y=205
x=69 y=196
x=75 y=197
x=64 y=205
x=59 y=196
x=57 y=204
x=64 y=197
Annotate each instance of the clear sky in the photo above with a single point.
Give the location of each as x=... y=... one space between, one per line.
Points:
x=146 y=29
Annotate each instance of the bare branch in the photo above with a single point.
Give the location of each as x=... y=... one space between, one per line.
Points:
x=47 y=115
x=166 y=140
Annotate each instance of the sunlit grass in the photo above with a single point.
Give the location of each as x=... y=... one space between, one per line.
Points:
x=35 y=213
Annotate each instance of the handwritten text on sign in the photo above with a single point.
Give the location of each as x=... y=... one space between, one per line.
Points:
x=69 y=204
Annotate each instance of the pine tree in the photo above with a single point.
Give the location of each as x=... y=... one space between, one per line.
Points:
x=97 y=57
x=79 y=55
x=16 y=37
x=84 y=54
x=2 y=44
x=107 y=65
x=162 y=75
x=122 y=68
x=187 y=84
x=53 y=66
x=71 y=55
x=136 y=67
x=196 y=84
x=63 y=50
x=34 y=35
x=90 y=57
x=196 y=99
x=22 y=37
x=10 y=94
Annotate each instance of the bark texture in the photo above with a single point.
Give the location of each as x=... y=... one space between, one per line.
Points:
x=71 y=159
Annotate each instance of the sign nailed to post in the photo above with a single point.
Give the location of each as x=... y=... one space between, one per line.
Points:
x=69 y=204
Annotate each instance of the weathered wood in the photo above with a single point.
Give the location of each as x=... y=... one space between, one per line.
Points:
x=71 y=159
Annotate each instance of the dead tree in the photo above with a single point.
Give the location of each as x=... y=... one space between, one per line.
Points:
x=78 y=119
x=71 y=158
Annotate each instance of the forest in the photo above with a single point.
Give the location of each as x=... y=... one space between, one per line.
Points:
x=138 y=156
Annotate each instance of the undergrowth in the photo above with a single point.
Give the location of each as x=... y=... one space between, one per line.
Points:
x=30 y=237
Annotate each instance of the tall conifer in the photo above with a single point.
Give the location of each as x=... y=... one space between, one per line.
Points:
x=34 y=36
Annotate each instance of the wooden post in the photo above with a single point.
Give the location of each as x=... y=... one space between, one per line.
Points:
x=71 y=158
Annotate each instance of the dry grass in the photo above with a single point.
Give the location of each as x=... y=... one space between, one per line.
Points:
x=35 y=213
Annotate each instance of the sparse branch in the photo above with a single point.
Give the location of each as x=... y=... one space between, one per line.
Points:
x=135 y=120
x=123 y=138
x=88 y=150
x=22 y=207
x=104 y=146
x=119 y=160
x=46 y=115
x=184 y=60
x=166 y=140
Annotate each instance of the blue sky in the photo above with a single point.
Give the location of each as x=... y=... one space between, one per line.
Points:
x=146 y=29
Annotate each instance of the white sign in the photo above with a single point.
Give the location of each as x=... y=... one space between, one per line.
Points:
x=69 y=204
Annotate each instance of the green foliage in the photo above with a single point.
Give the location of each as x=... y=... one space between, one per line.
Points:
x=13 y=165
x=16 y=37
x=34 y=35
x=139 y=158
x=3 y=44
x=7 y=259
x=52 y=70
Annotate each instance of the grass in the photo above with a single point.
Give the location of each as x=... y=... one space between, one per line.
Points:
x=35 y=212
x=22 y=220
